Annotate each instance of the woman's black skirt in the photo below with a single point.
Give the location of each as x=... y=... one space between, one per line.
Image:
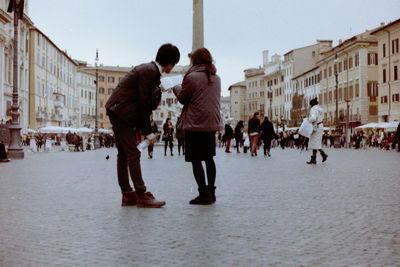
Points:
x=199 y=146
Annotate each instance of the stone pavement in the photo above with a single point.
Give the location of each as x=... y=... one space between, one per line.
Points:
x=63 y=209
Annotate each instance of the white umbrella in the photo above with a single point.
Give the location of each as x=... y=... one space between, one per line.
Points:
x=84 y=130
x=102 y=130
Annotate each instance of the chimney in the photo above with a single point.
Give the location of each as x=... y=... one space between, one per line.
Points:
x=340 y=41
x=382 y=23
x=265 y=57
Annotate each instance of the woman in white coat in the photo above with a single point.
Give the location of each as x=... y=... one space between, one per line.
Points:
x=316 y=117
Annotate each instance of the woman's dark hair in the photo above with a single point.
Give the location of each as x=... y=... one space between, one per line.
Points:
x=256 y=114
x=203 y=57
x=313 y=102
x=168 y=54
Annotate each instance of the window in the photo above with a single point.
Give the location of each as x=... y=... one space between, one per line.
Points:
x=357 y=90
x=340 y=66
x=384 y=75
x=101 y=90
x=384 y=50
x=350 y=92
x=110 y=90
x=396 y=73
x=372 y=59
x=340 y=94
x=330 y=71
x=345 y=65
x=350 y=62
x=372 y=89
x=111 y=79
x=395 y=46
x=101 y=103
x=356 y=60
x=101 y=78
x=396 y=97
x=384 y=99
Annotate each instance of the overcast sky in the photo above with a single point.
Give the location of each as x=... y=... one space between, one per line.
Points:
x=129 y=32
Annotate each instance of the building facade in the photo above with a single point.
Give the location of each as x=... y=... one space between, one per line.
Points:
x=348 y=81
x=6 y=64
x=306 y=87
x=87 y=91
x=274 y=100
x=53 y=97
x=255 y=92
x=298 y=61
x=388 y=72
x=237 y=96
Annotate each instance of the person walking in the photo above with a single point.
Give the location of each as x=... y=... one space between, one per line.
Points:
x=228 y=136
x=129 y=109
x=150 y=147
x=180 y=135
x=254 y=130
x=168 y=136
x=316 y=117
x=238 y=135
x=398 y=137
x=267 y=134
x=200 y=95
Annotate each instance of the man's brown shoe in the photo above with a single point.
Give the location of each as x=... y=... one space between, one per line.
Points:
x=147 y=200
x=129 y=198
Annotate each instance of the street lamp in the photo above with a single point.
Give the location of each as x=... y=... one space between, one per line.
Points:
x=96 y=128
x=270 y=102
x=337 y=135
x=14 y=149
x=336 y=90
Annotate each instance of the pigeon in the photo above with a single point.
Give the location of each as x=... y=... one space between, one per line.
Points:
x=107 y=157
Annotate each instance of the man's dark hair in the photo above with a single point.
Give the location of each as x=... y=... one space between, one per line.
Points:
x=256 y=114
x=168 y=54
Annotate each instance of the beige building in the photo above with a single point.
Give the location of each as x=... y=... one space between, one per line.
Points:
x=87 y=102
x=298 y=61
x=108 y=79
x=255 y=92
x=348 y=78
x=6 y=64
x=274 y=97
x=305 y=87
x=237 y=97
x=53 y=97
x=388 y=72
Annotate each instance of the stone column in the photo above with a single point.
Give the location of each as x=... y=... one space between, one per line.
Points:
x=198 y=25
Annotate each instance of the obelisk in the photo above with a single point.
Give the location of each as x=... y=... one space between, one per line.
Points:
x=198 y=25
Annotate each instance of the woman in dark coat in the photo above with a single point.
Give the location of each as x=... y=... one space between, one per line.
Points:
x=238 y=135
x=267 y=134
x=200 y=94
x=168 y=136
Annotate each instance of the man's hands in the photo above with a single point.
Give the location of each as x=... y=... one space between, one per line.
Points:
x=152 y=138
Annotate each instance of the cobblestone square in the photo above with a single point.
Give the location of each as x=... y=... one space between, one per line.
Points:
x=63 y=209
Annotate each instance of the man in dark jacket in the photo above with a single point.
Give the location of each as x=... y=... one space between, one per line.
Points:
x=267 y=134
x=129 y=109
x=254 y=133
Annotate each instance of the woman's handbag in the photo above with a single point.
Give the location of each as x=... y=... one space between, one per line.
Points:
x=306 y=128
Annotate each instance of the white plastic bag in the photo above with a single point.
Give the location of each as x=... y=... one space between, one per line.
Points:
x=306 y=128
